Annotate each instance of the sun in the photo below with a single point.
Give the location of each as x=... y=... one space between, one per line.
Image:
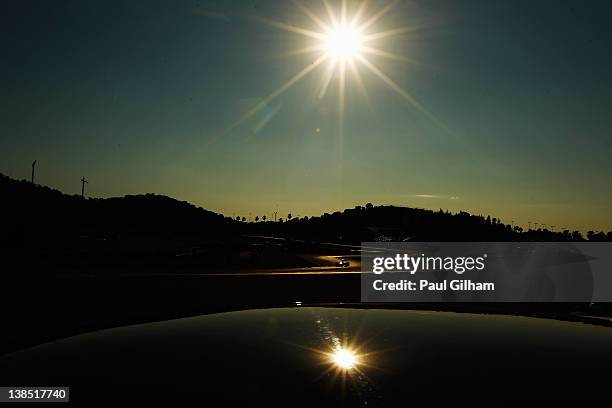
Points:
x=344 y=43
x=345 y=359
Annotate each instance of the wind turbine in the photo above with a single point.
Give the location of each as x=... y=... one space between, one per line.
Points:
x=83 y=181
x=33 y=168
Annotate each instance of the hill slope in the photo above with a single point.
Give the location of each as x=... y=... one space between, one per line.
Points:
x=36 y=215
x=32 y=214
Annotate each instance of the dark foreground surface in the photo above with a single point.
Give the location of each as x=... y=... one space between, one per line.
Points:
x=36 y=309
x=277 y=357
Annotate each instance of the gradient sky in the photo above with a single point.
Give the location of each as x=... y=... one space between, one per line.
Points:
x=140 y=97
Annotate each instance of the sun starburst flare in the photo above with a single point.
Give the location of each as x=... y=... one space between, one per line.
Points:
x=345 y=42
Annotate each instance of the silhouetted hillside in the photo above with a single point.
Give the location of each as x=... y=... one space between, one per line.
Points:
x=34 y=215
x=37 y=215
x=389 y=223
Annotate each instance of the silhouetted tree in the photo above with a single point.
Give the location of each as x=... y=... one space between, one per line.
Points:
x=577 y=236
x=596 y=236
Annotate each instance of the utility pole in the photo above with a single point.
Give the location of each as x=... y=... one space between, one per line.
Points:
x=83 y=181
x=33 y=168
x=275 y=212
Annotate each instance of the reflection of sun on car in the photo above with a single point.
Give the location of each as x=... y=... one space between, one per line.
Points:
x=327 y=356
x=343 y=263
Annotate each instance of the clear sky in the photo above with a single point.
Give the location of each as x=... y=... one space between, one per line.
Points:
x=147 y=96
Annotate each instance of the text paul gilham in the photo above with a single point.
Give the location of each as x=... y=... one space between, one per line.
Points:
x=423 y=284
